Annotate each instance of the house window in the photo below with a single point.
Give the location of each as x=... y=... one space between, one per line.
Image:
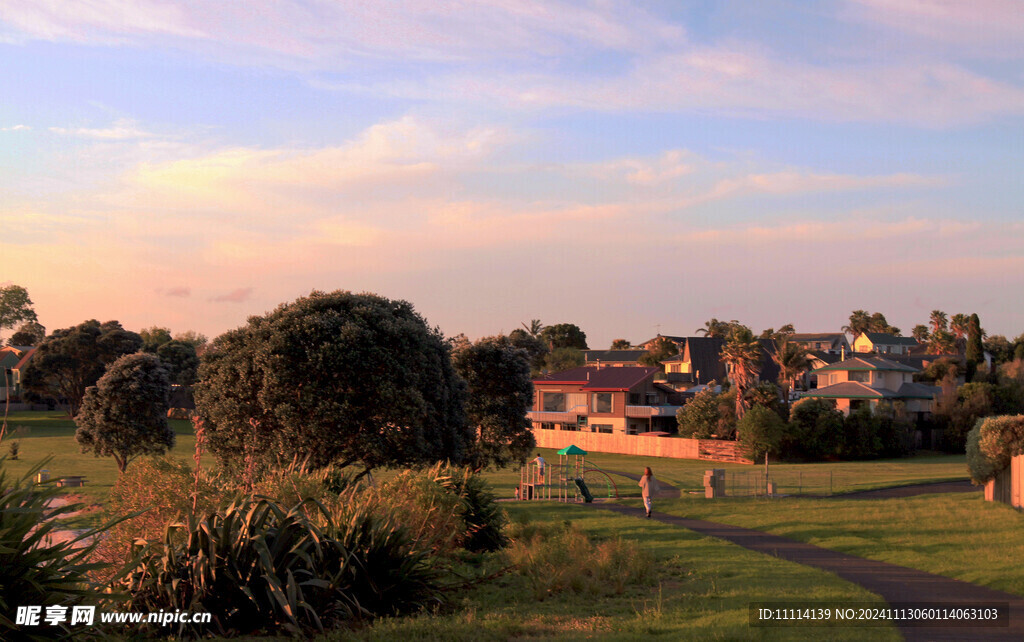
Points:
x=605 y=428
x=860 y=375
x=652 y=399
x=547 y=426
x=554 y=402
x=569 y=427
x=602 y=402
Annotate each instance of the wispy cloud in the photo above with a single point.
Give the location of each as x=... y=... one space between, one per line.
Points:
x=235 y=296
x=180 y=292
x=123 y=129
x=15 y=128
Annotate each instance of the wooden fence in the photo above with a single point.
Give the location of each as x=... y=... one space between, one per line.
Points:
x=672 y=447
x=1008 y=486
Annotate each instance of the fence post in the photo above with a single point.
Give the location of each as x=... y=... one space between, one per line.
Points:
x=830 y=482
x=800 y=482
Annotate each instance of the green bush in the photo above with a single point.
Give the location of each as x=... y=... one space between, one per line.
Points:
x=815 y=430
x=33 y=569
x=760 y=430
x=992 y=443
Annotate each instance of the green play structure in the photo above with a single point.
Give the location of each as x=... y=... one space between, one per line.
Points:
x=565 y=481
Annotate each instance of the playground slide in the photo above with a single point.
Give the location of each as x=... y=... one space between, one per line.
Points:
x=582 y=485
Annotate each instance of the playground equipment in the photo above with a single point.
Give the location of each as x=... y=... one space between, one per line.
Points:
x=534 y=482
x=569 y=482
x=600 y=483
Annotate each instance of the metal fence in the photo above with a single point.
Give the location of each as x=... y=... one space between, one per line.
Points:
x=753 y=483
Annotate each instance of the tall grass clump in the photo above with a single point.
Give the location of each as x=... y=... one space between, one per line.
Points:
x=560 y=557
x=35 y=570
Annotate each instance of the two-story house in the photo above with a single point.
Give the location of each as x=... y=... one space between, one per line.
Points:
x=623 y=400
x=864 y=381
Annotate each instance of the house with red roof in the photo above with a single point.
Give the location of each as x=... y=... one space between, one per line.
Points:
x=864 y=381
x=616 y=400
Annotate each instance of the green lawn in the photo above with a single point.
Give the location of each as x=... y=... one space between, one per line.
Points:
x=52 y=434
x=957 y=535
x=703 y=592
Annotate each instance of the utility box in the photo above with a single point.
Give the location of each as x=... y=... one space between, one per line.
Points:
x=42 y=476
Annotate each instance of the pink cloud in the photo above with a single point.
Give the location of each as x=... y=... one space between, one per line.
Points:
x=178 y=291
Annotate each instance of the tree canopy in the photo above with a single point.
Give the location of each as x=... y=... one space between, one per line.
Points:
x=72 y=359
x=28 y=334
x=154 y=337
x=741 y=354
x=15 y=307
x=181 y=361
x=125 y=414
x=334 y=378
x=564 y=335
x=500 y=392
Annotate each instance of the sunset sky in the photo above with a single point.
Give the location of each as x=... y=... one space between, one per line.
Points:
x=622 y=167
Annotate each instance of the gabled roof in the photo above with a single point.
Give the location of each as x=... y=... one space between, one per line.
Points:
x=826 y=356
x=858 y=390
x=594 y=378
x=703 y=355
x=25 y=358
x=613 y=356
x=885 y=339
x=850 y=390
x=867 y=363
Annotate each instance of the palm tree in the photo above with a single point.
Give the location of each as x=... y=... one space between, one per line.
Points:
x=535 y=328
x=716 y=328
x=942 y=342
x=860 y=322
x=793 y=360
x=620 y=344
x=920 y=332
x=958 y=324
x=742 y=357
x=938 y=319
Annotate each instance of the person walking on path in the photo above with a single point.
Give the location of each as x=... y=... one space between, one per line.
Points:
x=648 y=486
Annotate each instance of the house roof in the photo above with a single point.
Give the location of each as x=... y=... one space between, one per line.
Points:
x=613 y=356
x=703 y=354
x=594 y=378
x=885 y=339
x=825 y=356
x=867 y=363
x=850 y=390
x=858 y=390
x=804 y=337
x=25 y=358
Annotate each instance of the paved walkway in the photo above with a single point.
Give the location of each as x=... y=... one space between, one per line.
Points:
x=893 y=583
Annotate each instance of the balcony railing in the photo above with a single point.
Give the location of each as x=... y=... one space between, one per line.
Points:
x=643 y=412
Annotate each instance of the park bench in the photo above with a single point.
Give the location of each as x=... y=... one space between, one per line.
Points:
x=74 y=480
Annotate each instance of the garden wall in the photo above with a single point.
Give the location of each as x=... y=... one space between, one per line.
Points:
x=1008 y=486
x=672 y=447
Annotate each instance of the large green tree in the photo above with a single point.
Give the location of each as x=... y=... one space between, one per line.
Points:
x=15 y=307
x=72 y=359
x=536 y=350
x=564 y=335
x=975 y=352
x=620 y=344
x=181 y=361
x=28 y=334
x=125 y=414
x=154 y=337
x=661 y=349
x=500 y=392
x=353 y=379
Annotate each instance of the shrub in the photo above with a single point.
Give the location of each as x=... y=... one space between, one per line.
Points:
x=33 y=569
x=860 y=435
x=698 y=418
x=991 y=445
x=561 y=557
x=159 y=491
x=815 y=430
x=482 y=517
x=760 y=431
